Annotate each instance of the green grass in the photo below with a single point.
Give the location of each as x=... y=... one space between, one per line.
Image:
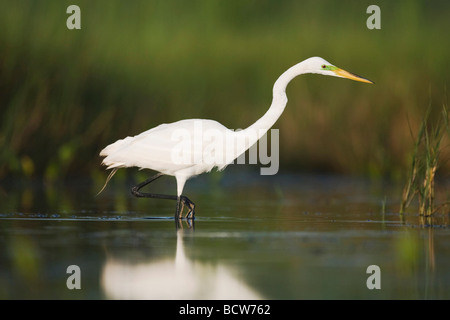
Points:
x=66 y=94
x=420 y=183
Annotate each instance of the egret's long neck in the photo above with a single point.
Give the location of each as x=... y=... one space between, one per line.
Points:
x=279 y=100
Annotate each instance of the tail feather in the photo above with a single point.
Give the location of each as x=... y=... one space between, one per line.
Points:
x=113 y=147
x=107 y=179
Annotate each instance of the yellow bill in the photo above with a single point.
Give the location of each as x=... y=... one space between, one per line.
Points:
x=345 y=74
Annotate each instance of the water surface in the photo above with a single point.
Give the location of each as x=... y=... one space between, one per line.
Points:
x=254 y=237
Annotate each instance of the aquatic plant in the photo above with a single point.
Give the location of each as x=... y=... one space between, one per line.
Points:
x=425 y=161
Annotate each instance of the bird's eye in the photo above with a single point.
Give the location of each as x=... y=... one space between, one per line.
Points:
x=324 y=66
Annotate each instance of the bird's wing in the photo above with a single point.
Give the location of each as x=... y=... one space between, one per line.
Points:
x=167 y=148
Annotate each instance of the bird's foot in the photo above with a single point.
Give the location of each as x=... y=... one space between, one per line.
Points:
x=184 y=201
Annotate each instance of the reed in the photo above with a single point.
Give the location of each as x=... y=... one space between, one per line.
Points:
x=425 y=162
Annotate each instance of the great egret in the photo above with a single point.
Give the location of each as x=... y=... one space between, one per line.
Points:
x=159 y=148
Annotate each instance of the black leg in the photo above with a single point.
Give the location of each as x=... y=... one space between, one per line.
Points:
x=190 y=205
x=181 y=201
x=135 y=190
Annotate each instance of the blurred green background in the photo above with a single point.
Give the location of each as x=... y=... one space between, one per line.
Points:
x=65 y=94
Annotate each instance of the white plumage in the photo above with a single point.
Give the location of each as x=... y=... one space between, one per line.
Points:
x=187 y=148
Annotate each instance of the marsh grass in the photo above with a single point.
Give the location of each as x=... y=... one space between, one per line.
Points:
x=65 y=94
x=425 y=162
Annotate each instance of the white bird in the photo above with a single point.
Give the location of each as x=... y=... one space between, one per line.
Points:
x=187 y=148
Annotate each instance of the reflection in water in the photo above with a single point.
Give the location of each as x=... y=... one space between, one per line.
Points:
x=178 y=278
x=311 y=240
